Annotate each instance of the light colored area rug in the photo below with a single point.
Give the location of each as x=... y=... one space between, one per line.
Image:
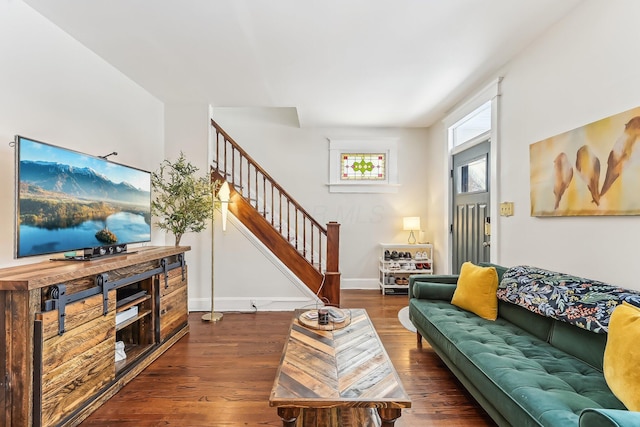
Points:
x=403 y=316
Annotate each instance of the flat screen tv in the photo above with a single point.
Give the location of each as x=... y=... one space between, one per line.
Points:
x=68 y=201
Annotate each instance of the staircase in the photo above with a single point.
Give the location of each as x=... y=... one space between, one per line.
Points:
x=308 y=249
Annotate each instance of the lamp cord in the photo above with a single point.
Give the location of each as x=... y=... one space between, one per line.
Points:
x=324 y=300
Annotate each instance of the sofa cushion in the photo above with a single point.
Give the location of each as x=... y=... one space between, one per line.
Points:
x=536 y=325
x=528 y=375
x=622 y=355
x=476 y=290
x=430 y=290
x=499 y=269
x=584 y=345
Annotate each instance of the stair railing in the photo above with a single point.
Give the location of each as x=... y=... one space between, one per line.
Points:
x=281 y=210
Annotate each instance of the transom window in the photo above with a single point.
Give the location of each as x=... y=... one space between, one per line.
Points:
x=472 y=125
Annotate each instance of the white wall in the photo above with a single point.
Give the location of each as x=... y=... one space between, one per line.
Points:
x=242 y=272
x=186 y=130
x=436 y=197
x=55 y=90
x=299 y=160
x=583 y=69
x=246 y=272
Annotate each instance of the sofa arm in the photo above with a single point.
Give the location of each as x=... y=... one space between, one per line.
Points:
x=594 y=417
x=427 y=286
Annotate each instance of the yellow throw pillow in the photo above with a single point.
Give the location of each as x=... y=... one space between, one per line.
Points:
x=622 y=355
x=476 y=291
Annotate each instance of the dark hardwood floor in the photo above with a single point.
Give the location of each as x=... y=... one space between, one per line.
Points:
x=221 y=374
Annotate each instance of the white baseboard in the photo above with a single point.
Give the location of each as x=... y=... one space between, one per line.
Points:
x=199 y=304
x=359 y=284
x=245 y=305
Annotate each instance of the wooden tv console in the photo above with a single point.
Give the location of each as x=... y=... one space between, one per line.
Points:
x=62 y=319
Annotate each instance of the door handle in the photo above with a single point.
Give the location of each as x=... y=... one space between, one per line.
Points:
x=486 y=244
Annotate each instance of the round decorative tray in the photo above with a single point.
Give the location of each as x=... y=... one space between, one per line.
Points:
x=312 y=322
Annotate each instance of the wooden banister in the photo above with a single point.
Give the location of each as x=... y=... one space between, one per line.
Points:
x=264 y=173
x=314 y=244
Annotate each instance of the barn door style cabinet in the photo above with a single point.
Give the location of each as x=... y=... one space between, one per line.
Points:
x=64 y=321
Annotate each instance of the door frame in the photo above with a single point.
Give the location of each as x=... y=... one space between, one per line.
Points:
x=491 y=92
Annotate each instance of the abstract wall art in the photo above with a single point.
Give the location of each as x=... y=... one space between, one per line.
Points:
x=591 y=170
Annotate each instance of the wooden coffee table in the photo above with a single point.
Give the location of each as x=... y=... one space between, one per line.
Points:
x=337 y=377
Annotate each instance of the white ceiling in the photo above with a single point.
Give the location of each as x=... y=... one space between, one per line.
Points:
x=375 y=63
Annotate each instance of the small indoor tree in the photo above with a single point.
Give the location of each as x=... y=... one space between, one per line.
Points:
x=182 y=200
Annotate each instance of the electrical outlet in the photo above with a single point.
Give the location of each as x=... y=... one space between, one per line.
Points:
x=506 y=209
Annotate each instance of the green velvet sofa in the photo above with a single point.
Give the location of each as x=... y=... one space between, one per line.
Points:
x=524 y=369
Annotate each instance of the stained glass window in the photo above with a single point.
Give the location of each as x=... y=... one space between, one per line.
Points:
x=362 y=166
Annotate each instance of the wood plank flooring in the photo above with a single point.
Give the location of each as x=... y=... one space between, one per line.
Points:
x=221 y=374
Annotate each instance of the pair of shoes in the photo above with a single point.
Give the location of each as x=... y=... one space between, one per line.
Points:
x=406 y=265
x=425 y=266
x=394 y=266
x=387 y=255
x=400 y=255
x=422 y=255
x=402 y=281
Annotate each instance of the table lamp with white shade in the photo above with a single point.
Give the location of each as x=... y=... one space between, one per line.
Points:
x=411 y=223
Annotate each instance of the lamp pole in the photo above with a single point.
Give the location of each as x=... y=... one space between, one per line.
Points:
x=213 y=316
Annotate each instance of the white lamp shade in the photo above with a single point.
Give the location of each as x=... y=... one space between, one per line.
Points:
x=411 y=223
x=223 y=195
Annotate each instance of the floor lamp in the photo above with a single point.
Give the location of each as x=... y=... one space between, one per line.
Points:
x=223 y=197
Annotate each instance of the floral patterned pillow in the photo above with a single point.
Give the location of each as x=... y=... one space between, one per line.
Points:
x=585 y=303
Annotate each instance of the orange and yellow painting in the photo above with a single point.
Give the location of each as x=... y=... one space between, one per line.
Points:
x=591 y=170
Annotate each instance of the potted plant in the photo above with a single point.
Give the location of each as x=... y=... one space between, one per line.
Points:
x=182 y=200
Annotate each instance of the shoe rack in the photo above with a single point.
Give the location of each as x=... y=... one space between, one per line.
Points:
x=398 y=261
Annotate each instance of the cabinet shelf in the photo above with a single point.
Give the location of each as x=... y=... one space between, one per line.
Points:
x=407 y=271
x=123 y=305
x=136 y=321
x=132 y=320
x=133 y=352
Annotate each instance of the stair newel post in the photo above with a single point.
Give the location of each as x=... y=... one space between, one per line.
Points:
x=331 y=289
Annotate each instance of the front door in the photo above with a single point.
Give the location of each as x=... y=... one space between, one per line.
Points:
x=470 y=230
